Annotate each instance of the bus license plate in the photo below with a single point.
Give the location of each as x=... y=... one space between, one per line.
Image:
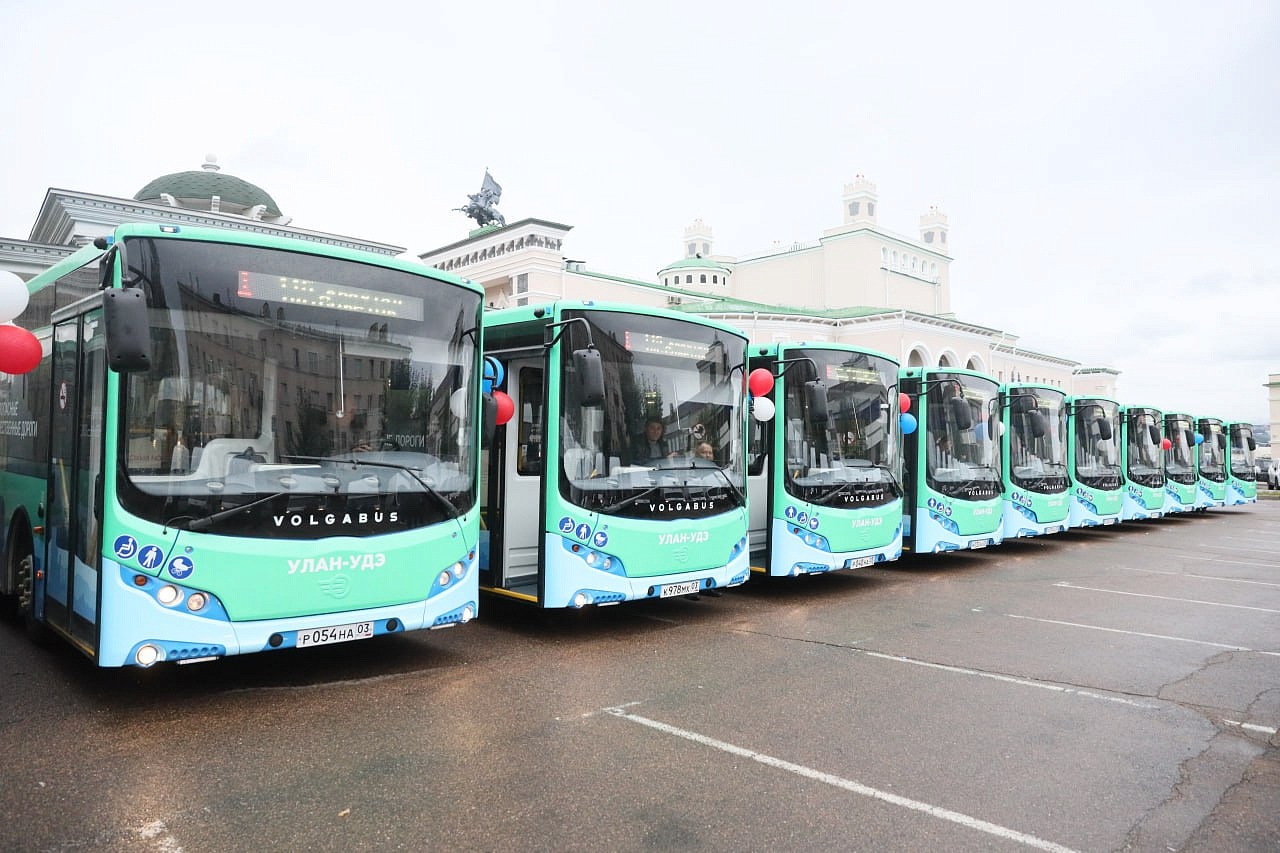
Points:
x=687 y=588
x=861 y=562
x=979 y=543
x=335 y=634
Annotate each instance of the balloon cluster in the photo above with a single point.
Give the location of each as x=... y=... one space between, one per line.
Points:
x=19 y=349
x=760 y=383
x=905 y=419
x=493 y=375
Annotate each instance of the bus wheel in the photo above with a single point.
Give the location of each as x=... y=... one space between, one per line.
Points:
x=22 y=567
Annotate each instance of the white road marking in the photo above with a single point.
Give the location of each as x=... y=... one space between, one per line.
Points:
x=1143 y=634
x=1025 y=682
x=157 y=832
x=1266 y=730
x=1218 y=547
x=1201 y=577
x=847 y=784
x=1066 y=585
x=1232 y=562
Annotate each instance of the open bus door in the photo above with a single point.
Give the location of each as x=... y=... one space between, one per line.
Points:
x=70 y=594
x=515 y=466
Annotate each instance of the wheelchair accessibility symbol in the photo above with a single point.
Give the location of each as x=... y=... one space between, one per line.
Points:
x=125 y=547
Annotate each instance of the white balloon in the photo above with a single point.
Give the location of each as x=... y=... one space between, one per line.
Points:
x=458 y=403
x=762 y=408
x=13 y=296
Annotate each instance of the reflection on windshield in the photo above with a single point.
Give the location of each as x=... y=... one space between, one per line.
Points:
x=1179 y=465
x=668 y=438
x=1097 y=446
x=1211 y=453
x=1037 y=425
x=847 y=454
x=961 y=415
x=1239 y=439
x=1146 y=464
x=273 y=370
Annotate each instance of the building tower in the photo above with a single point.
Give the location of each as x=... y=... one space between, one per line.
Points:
x=933 y=230
x=860 y=202
x=697 y=240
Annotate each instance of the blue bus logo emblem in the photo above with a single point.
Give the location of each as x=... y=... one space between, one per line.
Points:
x=181 y=567
x=125 y=547
x=566 y=525
x=583 y=531
x=150 y=557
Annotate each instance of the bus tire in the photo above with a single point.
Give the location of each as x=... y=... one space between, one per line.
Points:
x=20 y=562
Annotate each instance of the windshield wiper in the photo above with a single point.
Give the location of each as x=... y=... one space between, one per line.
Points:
x=711 y=466
x=847 y=487
x=626 y=502
x=450 y=509
x=207 y=521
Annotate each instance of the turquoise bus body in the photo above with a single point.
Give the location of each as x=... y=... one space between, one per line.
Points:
x=1143 y=461
x=825 y=472
x=951 y=464
x=1242 y=485
x=610 y=500
x=1033 y=447
x=1094 y=460
x=1211 y=464
x=1181 y=482
x=197 y=508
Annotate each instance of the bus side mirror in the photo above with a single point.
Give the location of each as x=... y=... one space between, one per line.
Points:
x=961 y=413
x=1253 y=445
x=1222 y=441
x=590 y=372
x=1039 y=426
x=805 y=370
x=815 y=397
x=1104 y=429
x=488 y=419
x=128 y=330
x=1190 y=436
x=1154 y=432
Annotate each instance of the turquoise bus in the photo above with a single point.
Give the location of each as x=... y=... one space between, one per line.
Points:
x=1211 y=464
x=1094 y=460
x=951 y=464
x=1242 y=485
x=622 y=472
x=1033 y=445
x=824 y=474
x=1142 y=458
x=240 y=442
x=1180 y=477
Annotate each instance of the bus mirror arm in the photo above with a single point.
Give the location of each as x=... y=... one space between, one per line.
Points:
x=128 y=330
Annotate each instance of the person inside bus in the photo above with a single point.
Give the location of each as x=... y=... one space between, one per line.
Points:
x=652 y=446
x=704 y=450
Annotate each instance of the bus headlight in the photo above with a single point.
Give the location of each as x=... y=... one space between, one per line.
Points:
x=458 y=569
x=468 y=614
x=196 y=601
x=168 y=595
x=580 y=600
x=445 y=578
x=147 y=654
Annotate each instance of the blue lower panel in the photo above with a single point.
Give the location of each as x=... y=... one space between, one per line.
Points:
x=796 y=554
x=935 y=533
x=569 y=576
x=132 y=616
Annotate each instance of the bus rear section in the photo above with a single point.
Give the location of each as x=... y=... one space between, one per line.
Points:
x=1033 y=445
x=1242 y=484
x=621 y=475
x=1094 y=460
x=267 y=444
x=951 y=461
x=1181 y=482
x=826 y=469
x=1211 y=464
x=1141 y=437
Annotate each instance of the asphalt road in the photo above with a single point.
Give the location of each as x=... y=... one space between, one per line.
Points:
x=1112 y=689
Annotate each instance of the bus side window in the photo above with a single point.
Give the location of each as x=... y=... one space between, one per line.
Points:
x=529 y=439
x=757 y=446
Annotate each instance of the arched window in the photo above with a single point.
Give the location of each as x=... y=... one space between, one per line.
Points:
x=915 y=359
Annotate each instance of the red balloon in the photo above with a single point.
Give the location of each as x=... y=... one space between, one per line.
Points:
x=904 y=402
x=1166 y=443
x=760 y=382
x=19 y=350
x=506 y=406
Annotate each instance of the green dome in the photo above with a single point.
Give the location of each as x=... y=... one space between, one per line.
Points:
x=698 y=262
x=205 y=184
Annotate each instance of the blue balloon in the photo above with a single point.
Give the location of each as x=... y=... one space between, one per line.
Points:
x=493 y=370
x=980 y=430
x=487 y=386
x=1199 y=439
x=908 y=423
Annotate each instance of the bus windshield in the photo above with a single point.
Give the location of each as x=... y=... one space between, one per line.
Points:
x=1097 y=446
x=669 y=437
x=322 y=396
x=1146 y=468
x=1240 y=440
x=1179 y=465
x=962 y=417
x=1212 y=457
x=849 y=452
x=1038 y=439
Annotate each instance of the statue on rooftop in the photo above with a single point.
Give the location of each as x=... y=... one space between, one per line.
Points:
x=483 y=205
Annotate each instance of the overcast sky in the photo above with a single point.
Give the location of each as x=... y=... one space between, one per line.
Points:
x=1111 y=171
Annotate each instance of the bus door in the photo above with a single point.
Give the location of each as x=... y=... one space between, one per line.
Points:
x=516 y=469
x=73 y=535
